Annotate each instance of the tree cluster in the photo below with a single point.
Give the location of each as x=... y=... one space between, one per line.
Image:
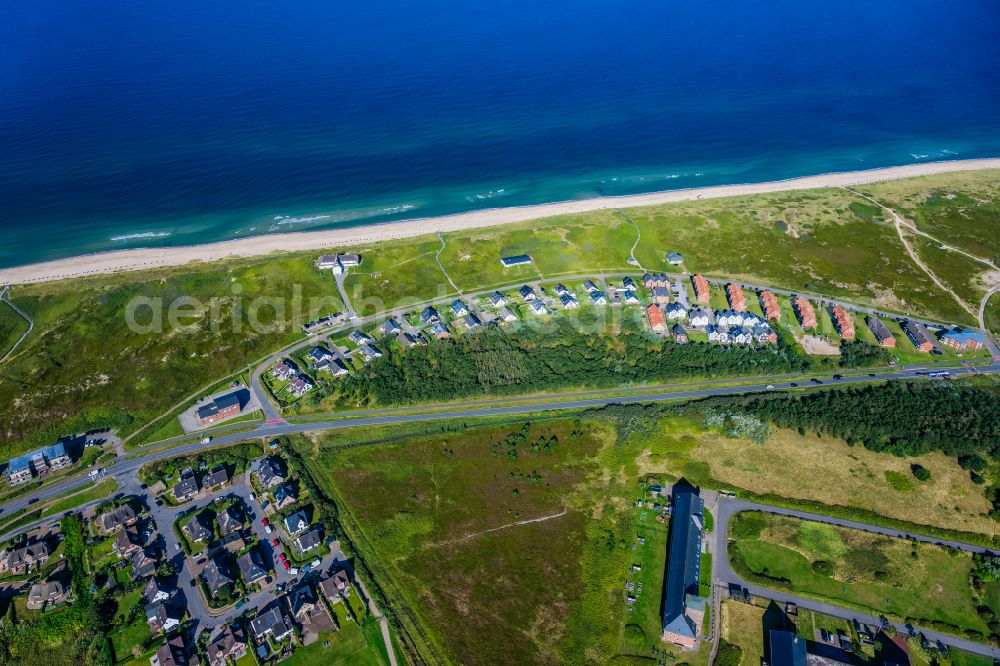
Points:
x=555 y=356
x=905 y=419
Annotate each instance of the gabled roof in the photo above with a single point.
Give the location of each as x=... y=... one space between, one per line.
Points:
x=127 y=539
x=116 y=517
x=251 y=567
x=787 y=649
x=224 y=643
x=964 y=335
x=271 y=621
x=217 y=476
x=296 y=521
x=215 y=576
x=230 y=519
x=309 y=539
x=270 y=471
x=318 y=353
x=332 y=585
x=283 y=493
x=301 y=599
x=142 y=563
x=153 y=588
x=683 y=559
x=199 y=528
x=187 y=484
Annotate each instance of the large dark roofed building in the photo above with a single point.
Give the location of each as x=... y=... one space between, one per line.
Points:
x=683 y=609
x=787 y=649
x=219 y=408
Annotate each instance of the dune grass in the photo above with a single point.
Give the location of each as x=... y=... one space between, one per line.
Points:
x=823 y=469
x=85 y=368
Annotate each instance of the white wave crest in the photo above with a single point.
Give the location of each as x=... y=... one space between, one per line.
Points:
x=136 y=236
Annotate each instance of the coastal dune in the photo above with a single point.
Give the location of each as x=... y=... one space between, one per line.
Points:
x=140 y=259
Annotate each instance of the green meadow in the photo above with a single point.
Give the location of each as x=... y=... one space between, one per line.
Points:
x=923 y=583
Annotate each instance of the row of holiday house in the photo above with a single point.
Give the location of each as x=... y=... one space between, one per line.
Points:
x=958 y=338
x=724 y=326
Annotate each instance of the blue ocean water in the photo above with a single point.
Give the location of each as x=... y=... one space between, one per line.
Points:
x=129 y=124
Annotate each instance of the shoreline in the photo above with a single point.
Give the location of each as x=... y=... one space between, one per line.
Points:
x=136 y=259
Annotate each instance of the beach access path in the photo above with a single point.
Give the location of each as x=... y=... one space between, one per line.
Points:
x=140 y=259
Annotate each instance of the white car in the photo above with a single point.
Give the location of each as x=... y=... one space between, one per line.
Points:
x=267 y=529
x=177 y=546
x=770 y=386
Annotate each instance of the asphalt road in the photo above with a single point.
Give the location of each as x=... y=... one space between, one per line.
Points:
x=723 y=573
x=124 y=467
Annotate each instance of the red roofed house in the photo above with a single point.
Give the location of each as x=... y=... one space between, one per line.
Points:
x=769 y=304
x=700 y=288
x=881 y=331
x=804 y=311
x=737 y=299
x=656 y=321
x=843 y=322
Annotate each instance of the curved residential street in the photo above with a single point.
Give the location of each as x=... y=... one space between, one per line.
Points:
x=724 y=576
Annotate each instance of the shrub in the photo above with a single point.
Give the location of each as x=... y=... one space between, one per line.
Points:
x=920 y=472
x=728 y=654
x=823 y=568
x=972 y=462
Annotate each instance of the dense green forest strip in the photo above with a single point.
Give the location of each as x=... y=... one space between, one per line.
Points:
x=558 y=355
x=902 y=418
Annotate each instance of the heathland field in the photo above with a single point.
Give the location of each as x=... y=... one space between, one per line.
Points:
x=441 y=515
x=83 y=367
x=923 y=582
x=822 y=469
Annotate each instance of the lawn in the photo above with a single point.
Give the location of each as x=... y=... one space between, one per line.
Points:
x=644 y=624
x=135 y=635
x=825 y=469
x=348 y=646
x=922 y=582
x=743 y=626
x=96 y=492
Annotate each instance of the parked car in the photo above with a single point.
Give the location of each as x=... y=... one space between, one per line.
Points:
x=275 y=542
x=263 y=521
x=282 y=557
x=288 y=565
x=267 y=529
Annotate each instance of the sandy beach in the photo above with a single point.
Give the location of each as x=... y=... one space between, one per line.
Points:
x=140 y=259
